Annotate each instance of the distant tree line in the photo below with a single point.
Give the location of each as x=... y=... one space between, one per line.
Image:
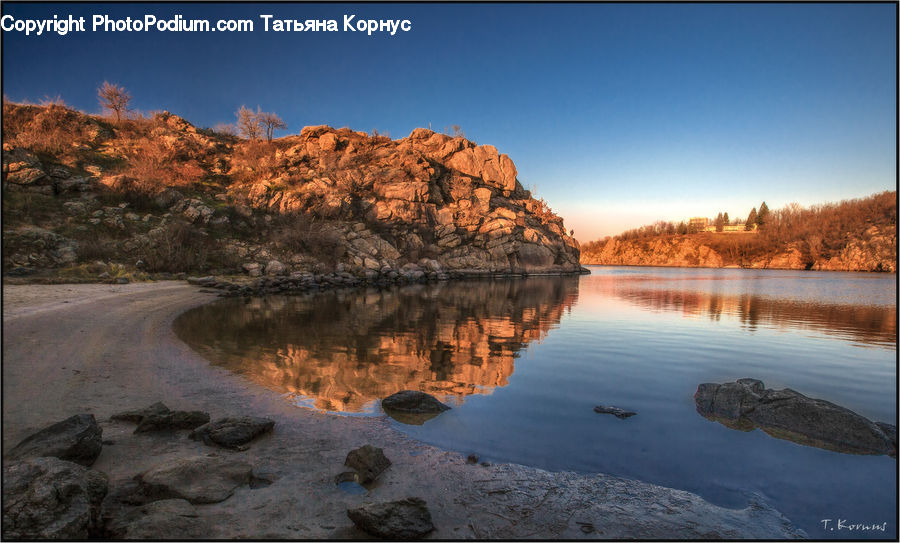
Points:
x=817 y=231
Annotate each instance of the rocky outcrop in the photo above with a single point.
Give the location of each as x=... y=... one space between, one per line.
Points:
x=873 y=250
x=49 y=498
x=76 y=439
x=680 y=252
x=428 y=193
x=746 y=404
x=444 y=204
x=399 y=520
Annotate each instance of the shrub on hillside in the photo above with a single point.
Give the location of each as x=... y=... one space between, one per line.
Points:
x=52 y=129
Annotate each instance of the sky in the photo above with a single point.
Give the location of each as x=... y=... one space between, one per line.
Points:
x=617 y=115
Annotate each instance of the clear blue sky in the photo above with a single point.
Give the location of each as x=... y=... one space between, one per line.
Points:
x=619 y=115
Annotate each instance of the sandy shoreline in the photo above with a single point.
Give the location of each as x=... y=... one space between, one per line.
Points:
x=102 y=349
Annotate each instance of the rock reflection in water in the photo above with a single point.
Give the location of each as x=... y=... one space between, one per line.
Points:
x=867 y=324
x=344 y=350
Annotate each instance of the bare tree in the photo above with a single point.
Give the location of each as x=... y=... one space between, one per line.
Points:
x=114 y=98
x=271 y=122
x=248 y=122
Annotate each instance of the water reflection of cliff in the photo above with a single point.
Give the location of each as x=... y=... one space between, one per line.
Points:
x=346 y=349
x=867 y=324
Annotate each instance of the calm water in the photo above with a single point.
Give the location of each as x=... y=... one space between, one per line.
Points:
x=525 y=361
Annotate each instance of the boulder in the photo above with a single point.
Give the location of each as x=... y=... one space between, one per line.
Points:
x=403 y=519
x=413 y=401
x=274 y=267
x=787 y=414
x=233 y=432
x=77 y=439
x=197 y=479
x=172 y=420
x=368 y=462
x=173 y=519
x=49 y=498
x=137 y=415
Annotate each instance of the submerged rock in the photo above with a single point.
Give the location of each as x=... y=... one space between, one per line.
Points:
x=49 y=498
x=368 y=462
x=172 y=420
x=137 y=415
x=615 y=411
x=787 y=414
x=197 y=479
x=413 y=401
x=403 y=519
x=233 y=432
x=77 y=439
x=412 y=407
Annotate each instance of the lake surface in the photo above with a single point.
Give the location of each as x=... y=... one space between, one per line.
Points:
x=524 y=361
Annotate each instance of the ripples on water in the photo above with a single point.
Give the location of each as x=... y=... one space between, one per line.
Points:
x=524 y=361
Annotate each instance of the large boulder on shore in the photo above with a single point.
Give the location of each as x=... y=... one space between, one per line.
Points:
x=197 y=479
x=77 y=439
x=403 y=519
x=746 y=404
x=49 y=498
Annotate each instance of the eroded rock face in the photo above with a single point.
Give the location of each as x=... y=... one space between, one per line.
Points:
x=197 y=479
x=459 y=201
x=76 y=439
x=403 y=519
x=746 y=404
x=49 y=498
x=233 y=432
x=872 y=250
x=368 y=462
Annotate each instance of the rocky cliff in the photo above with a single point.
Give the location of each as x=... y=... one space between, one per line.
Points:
x=875 y=249
x=151 y=195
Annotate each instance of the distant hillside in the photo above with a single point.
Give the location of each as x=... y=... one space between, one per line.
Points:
x=83 y=196
x=853 y=235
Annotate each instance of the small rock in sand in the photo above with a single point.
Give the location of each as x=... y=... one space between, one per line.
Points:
x=368 y=462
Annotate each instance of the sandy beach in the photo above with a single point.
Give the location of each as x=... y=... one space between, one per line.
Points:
x=102 y=349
